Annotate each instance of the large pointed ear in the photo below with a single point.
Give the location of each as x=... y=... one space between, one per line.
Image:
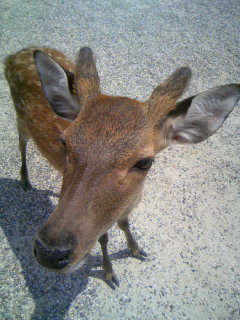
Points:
x=55 y=86
x=198 y=117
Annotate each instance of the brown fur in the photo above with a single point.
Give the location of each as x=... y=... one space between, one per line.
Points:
x=103 y=144
x=33 y=110
x=87 y=80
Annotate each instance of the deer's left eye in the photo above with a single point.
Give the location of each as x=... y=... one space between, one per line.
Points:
x=143 y=164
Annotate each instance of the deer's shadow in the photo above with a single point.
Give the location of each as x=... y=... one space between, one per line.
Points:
x=23 y=215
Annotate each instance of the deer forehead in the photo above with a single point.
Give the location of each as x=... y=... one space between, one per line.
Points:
x=111 y=125
x=111 y=132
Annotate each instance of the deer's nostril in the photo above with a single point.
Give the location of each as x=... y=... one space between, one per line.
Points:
x=54 y=259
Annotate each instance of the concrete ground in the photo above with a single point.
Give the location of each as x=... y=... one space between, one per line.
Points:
x=189 y=219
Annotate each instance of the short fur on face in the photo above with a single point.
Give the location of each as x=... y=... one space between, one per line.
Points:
x=101 y=143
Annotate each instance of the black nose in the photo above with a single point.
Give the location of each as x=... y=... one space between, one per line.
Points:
x=53 y=259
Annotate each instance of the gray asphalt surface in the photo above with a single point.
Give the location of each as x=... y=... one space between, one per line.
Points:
x=189 y=219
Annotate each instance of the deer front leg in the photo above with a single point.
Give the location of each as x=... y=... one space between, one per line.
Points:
x=24 y=171
x=110 y=277
x=131 y=242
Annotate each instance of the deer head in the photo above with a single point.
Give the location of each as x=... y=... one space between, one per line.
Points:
x=109 y=147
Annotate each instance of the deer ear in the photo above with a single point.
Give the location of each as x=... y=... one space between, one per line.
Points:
x=55 y=86
x=198 y=117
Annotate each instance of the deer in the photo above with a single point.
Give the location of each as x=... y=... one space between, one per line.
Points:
x=104 y=146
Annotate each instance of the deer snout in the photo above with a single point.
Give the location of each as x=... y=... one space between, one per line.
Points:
x=51 y=258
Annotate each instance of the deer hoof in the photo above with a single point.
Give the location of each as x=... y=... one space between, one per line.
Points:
x=140 y=254
x=112 y=280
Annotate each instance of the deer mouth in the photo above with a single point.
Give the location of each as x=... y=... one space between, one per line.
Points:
x=71 y=267
x=60 y=261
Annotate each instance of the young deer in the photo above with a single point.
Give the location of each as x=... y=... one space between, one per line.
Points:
x=103 y=145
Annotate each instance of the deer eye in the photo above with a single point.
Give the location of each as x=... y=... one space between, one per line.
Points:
x=143 y=164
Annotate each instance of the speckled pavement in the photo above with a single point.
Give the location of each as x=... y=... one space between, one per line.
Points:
x=189 y=219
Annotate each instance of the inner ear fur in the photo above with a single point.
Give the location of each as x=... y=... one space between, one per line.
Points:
x=197 y=118
x=57 y=86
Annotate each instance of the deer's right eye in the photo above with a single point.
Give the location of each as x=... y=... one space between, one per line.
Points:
x=144 y=164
